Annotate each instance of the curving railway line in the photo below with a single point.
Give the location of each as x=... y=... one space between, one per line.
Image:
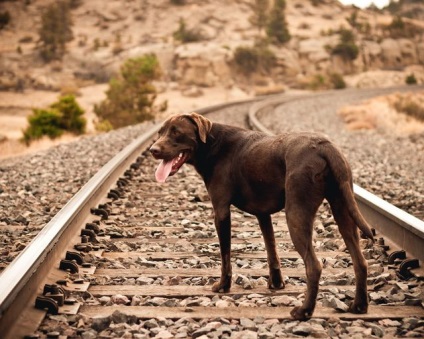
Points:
x=129 y=257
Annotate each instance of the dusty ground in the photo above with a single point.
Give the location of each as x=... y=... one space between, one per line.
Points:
x=15 y=107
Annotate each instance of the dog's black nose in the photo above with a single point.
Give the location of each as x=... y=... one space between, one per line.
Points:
x=155 y=150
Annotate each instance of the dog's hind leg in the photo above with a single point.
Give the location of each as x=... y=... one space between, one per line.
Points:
x=275 y=280
x=301 y=207
x=223 y=228
x=349 y=232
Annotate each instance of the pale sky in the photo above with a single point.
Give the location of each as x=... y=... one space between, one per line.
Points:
x=365 y=3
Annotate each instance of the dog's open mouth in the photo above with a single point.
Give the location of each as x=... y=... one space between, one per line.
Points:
x=167 y=168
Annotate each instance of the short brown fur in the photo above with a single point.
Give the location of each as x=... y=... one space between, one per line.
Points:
x=263 y=174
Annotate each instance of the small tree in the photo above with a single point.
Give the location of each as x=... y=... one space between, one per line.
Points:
x=56 y=30
x=72 y=114
x=277 y=26
x=131 y=95
x=254 y=59
x=61 y=116
x=186 y=35
x=260 y=14
x=347 y=47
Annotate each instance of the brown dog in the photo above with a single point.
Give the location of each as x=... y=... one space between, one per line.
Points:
x=262 y=175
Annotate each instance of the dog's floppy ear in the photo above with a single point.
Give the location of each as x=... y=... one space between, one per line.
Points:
x=204 y=125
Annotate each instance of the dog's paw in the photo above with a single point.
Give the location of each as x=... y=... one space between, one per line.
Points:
x=358 y=308
x=220 y=287
x=298 y=313
x=275 y=281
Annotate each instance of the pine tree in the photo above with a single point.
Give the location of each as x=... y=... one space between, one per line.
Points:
x=277 y=27
x=56 y=30
x=260 y=15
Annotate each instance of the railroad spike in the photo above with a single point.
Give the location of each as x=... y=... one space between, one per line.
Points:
x=405 y=268
x=91 y=234
x=396 y=255
x=101 y=212
x=83 y=247
x=74 y=256
x=128 y=174
x=68 y=265
x=93 y=226
x=55 y=292
x=113 y=195
x=47 y=303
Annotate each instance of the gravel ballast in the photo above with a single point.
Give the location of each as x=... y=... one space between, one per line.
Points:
x=33 y=189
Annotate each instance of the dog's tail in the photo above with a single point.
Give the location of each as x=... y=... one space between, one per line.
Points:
x=343 y=177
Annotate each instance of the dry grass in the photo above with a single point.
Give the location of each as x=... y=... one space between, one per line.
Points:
x=397 y=114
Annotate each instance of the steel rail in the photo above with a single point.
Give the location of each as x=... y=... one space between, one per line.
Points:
x=402 y=228
x=46 y=249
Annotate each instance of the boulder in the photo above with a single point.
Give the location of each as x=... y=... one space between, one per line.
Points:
x=202 y=64
x=371 y=53
x=391 y=54
x=408 y=51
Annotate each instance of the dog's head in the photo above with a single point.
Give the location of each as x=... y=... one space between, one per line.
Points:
x=178 y=140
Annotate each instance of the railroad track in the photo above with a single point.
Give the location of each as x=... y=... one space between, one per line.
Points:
x=131 y=254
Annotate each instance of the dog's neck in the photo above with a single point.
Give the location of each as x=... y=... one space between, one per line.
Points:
x=220 y=140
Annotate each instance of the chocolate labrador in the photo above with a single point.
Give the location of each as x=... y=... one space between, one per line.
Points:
x=261 y=175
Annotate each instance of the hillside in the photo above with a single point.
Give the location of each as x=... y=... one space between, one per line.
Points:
x=106 y=33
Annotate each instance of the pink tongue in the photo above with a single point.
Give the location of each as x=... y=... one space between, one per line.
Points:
x=163 y=170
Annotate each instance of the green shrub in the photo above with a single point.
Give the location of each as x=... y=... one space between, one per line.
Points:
x=401 y=29
x=347 y=47
x=178 y=2
x=410 y=79
x=61 y=116
x=43 y=122
x=337 y=81
x=103 y=126
x=277 y=29
x=254 y=59
x=131 y=95
x=72 y=114
x=317 y=82
x=4 y=19
x=186 y=35
x=55 y=31
x=260 y=14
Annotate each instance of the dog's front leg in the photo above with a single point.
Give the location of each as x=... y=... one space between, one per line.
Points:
x=223 y=228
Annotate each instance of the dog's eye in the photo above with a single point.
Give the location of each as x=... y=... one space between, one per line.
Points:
x=175 y=131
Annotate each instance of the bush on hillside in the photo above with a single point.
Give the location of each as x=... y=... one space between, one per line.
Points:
x=62 y=116
x=337 y=81
x=186 y=35
x=254 y=59
x=277 y=29
x=131 y=96
x=56 y=30
x=411 y=79
x=260 y=14
x=346 y=47
x=43 y=122
x=398 y=28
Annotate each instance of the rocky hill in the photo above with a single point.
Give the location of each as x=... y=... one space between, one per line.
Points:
x=106 y=33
